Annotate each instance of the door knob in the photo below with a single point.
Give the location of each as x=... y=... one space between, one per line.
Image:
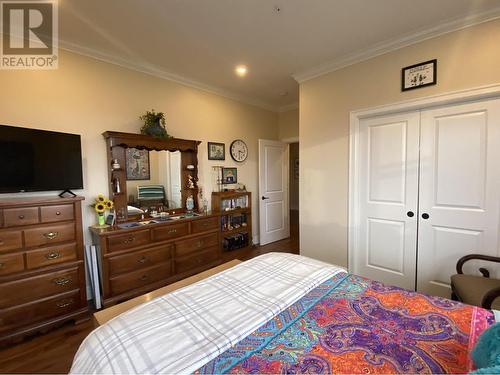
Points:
x=264 y=198
x=425 y=216
x=410 y=214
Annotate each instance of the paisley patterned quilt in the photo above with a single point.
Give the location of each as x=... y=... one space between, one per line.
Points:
x=350 y=324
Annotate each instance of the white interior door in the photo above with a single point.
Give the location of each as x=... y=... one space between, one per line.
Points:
x=459 y=189
x=388 y=191
x=273 y=191
x=175 y=177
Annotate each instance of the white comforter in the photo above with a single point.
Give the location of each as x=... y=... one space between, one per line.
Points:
x=183 y=330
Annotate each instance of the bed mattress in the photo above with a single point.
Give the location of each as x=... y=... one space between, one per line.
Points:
x=287 y=313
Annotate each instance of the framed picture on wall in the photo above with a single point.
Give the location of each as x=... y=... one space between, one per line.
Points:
x=419 y=75
x=137 y=164
x=216 y=151
x=229 y=175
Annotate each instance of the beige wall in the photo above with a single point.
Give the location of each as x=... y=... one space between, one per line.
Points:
x=87 y=97
x=288 y=124
x=466 y=59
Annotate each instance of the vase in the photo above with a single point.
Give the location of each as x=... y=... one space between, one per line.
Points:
x=156 y=130
x=100 y=219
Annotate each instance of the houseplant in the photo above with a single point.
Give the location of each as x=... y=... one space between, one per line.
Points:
x=154 y=124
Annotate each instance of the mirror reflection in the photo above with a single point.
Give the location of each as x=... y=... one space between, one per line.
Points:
x=153 y=181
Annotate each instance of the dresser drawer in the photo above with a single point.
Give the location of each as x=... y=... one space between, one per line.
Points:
x=20 y=216
x=137 y=279
x=204 y=225
x=50 y=255
x=47 y=235
x=10 y=263
x=171 y=231
x=29 y=313
x=11 y=240
x=140 y=259
x=126 y=241
x=62 y=212
x=195 y=244
x=33 y=288
x=197 y=260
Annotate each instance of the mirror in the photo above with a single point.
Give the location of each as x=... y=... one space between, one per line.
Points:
x=169 y=175
x=153 y=181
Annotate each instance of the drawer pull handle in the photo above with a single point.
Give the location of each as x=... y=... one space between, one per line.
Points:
x=143 y=259
x=2 y=265
x=21 y=217
x=53 y=255
x=2 y=243
x=129 y=240
x=199 y=244
x=58 y=213
x=51 y=235
x=144 y=277
x=62 y=280
x=172 y=231
x=65 y=303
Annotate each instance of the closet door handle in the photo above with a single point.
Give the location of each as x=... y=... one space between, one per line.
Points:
x=410 y=214
x=264 y=198
x=425 y=216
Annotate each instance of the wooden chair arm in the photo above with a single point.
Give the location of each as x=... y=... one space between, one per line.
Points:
x=490 y=297
x=466 y=258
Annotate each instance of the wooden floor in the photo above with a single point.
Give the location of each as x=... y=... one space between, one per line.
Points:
x=53 y=352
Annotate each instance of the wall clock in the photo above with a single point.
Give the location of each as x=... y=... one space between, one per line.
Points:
x=239 y=150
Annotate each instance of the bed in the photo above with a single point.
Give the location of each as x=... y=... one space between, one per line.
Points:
x=286 y=313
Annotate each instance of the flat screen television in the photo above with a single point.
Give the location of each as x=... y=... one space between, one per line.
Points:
x=38 y=160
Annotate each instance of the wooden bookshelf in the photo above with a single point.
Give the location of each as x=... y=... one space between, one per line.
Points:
x=234 y=209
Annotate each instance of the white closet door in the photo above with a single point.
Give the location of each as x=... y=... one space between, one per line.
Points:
x=459 y=189
x=388 y=190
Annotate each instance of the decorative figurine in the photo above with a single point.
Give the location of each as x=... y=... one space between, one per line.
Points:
x=190 y=203
x=190 y=182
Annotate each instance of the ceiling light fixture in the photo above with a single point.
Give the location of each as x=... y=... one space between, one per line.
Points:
x=241 y=70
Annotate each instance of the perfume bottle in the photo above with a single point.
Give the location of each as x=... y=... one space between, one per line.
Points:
x=116 y=186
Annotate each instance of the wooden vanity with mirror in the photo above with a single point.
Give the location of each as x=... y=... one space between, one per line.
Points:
x=141 y=253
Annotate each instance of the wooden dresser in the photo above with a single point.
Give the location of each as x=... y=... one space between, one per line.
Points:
x=137 y=260
x=42 y=274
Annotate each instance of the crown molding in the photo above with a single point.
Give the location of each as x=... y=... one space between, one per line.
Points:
x=288 y=107
x=160 y=73
x=395 y=44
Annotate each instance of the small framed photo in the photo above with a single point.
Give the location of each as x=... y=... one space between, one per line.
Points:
x=229 y=175
x=419 y=75
x=216 y=151
x=110 y=219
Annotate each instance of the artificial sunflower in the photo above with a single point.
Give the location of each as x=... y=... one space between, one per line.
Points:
x=109 y=204
x=100 y=208
x=100 y=198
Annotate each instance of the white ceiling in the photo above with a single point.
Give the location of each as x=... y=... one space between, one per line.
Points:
x=199 y=42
